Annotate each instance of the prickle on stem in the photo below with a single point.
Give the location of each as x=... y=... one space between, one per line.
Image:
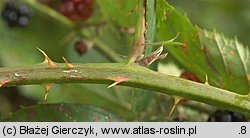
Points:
x=47 y=60
x=206 y=82
x=3 y=82
x=47 y=89
x=67 y=64
x=117 y=81
x=177 y=99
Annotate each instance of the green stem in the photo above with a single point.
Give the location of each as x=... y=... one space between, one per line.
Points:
x=139 y=38
x=136 y=76
x=150 y=17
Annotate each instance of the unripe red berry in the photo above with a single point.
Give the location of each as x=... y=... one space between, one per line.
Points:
x=77 y=10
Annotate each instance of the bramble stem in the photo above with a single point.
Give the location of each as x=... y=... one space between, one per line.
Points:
x=137 y=76
x=134 y=75
x=139 y=38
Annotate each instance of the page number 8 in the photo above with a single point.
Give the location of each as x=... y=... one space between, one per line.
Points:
x=243 y=130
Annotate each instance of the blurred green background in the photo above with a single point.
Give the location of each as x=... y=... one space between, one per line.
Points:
x=231 y=17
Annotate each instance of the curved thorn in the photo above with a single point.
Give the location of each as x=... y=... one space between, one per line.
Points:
x=47 y=60
x=177 y=99
x=47 y=89
x=117 y=81
x=113 y=84
x=46 y=96
x=206 y=82
x=3 y=82
x=67 y=64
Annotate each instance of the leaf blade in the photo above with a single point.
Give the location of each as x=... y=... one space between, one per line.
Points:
x=204 y=53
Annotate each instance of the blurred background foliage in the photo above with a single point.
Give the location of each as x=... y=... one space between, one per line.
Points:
x=228 y=16
x=110 y=28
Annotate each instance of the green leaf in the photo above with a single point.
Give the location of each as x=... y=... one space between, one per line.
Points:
x=117 y=99
x=229 y=59
x=63 y=112
x=141 y=100
x=162 y=7
x=224 y=60
x=150 y=23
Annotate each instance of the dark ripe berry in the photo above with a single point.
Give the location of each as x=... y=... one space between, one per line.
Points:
x=11 y=4
x=238 y=117
x=226 y=116
x=190 y=76
x=16 y=15
x=81 y=47
x=12 y=16
x=223 y=116
x=77 y=10
x=23 y=21
x=24 y=10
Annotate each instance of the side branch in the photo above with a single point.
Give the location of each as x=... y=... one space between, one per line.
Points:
x=138 y=47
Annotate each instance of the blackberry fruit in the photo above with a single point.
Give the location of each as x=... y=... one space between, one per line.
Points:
x=16 y=15
x=226 y=116
x=223 y=116
x=77 y=10
x=238 y=117
x=22 y=21
x=189 y=76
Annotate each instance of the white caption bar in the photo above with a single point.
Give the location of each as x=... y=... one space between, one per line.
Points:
x=124 y=129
